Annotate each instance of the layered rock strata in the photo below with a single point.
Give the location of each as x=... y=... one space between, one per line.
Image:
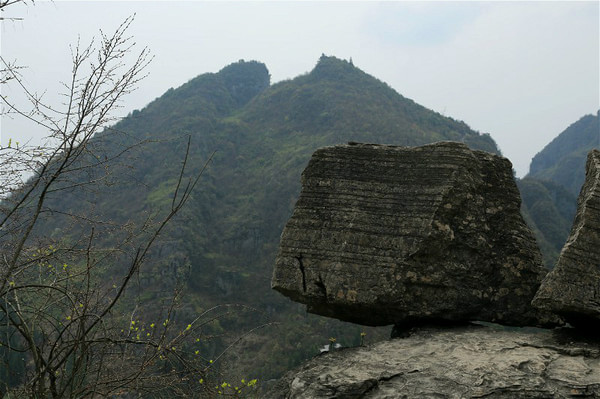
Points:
x=468 y=362
x=383 y=235
x=572 y=288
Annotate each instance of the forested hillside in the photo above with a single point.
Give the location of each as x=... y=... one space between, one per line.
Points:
x=562 y=159
x=549 y=210
x=549 y=192
x=222 y=246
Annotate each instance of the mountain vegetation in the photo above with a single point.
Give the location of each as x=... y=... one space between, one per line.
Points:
x=549 y=192
x=563 y=159
x=65 y=328
x=221 y=247
x=548 y=209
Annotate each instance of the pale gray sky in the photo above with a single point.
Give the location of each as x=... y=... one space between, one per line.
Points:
x=521 y=71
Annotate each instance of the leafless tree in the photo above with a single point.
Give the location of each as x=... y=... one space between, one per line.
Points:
x=64 y=329
x=6 y=3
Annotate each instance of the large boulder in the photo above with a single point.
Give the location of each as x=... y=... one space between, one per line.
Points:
x=467 y=362
x=390 y=235
x=572 y=288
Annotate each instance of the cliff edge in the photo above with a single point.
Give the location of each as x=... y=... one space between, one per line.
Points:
x=473 y=361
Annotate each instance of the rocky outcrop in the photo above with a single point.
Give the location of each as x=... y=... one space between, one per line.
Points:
x=572 y=288
x=467 y=362
x=383 y=235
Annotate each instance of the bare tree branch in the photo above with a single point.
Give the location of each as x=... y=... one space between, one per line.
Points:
x=61 y=301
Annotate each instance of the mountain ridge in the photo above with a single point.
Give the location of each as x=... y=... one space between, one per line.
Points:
x=549 y=191
x=561 y=160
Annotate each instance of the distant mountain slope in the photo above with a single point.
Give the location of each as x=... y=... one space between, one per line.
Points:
x=548 y=209
x=563 y=159
x=224 y=243
x=337 y=102
x=550 y=190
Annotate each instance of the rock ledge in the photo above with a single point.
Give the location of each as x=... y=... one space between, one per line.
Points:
x=466 y=362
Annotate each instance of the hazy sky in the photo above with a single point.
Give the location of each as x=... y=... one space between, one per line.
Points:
x=521 y=71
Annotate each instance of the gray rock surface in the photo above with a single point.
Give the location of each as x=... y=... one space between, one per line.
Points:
x=468 y=362
x=383 y=235
x=572 y=288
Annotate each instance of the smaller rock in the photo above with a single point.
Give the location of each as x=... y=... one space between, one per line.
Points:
x=572 y=288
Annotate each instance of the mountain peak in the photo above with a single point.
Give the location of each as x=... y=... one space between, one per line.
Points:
x=333 y=68
x=245 y=79
x=563 y=159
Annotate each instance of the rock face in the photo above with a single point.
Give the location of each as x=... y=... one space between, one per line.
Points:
x=468 y=362
x=383 y=235
x=572 y=288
